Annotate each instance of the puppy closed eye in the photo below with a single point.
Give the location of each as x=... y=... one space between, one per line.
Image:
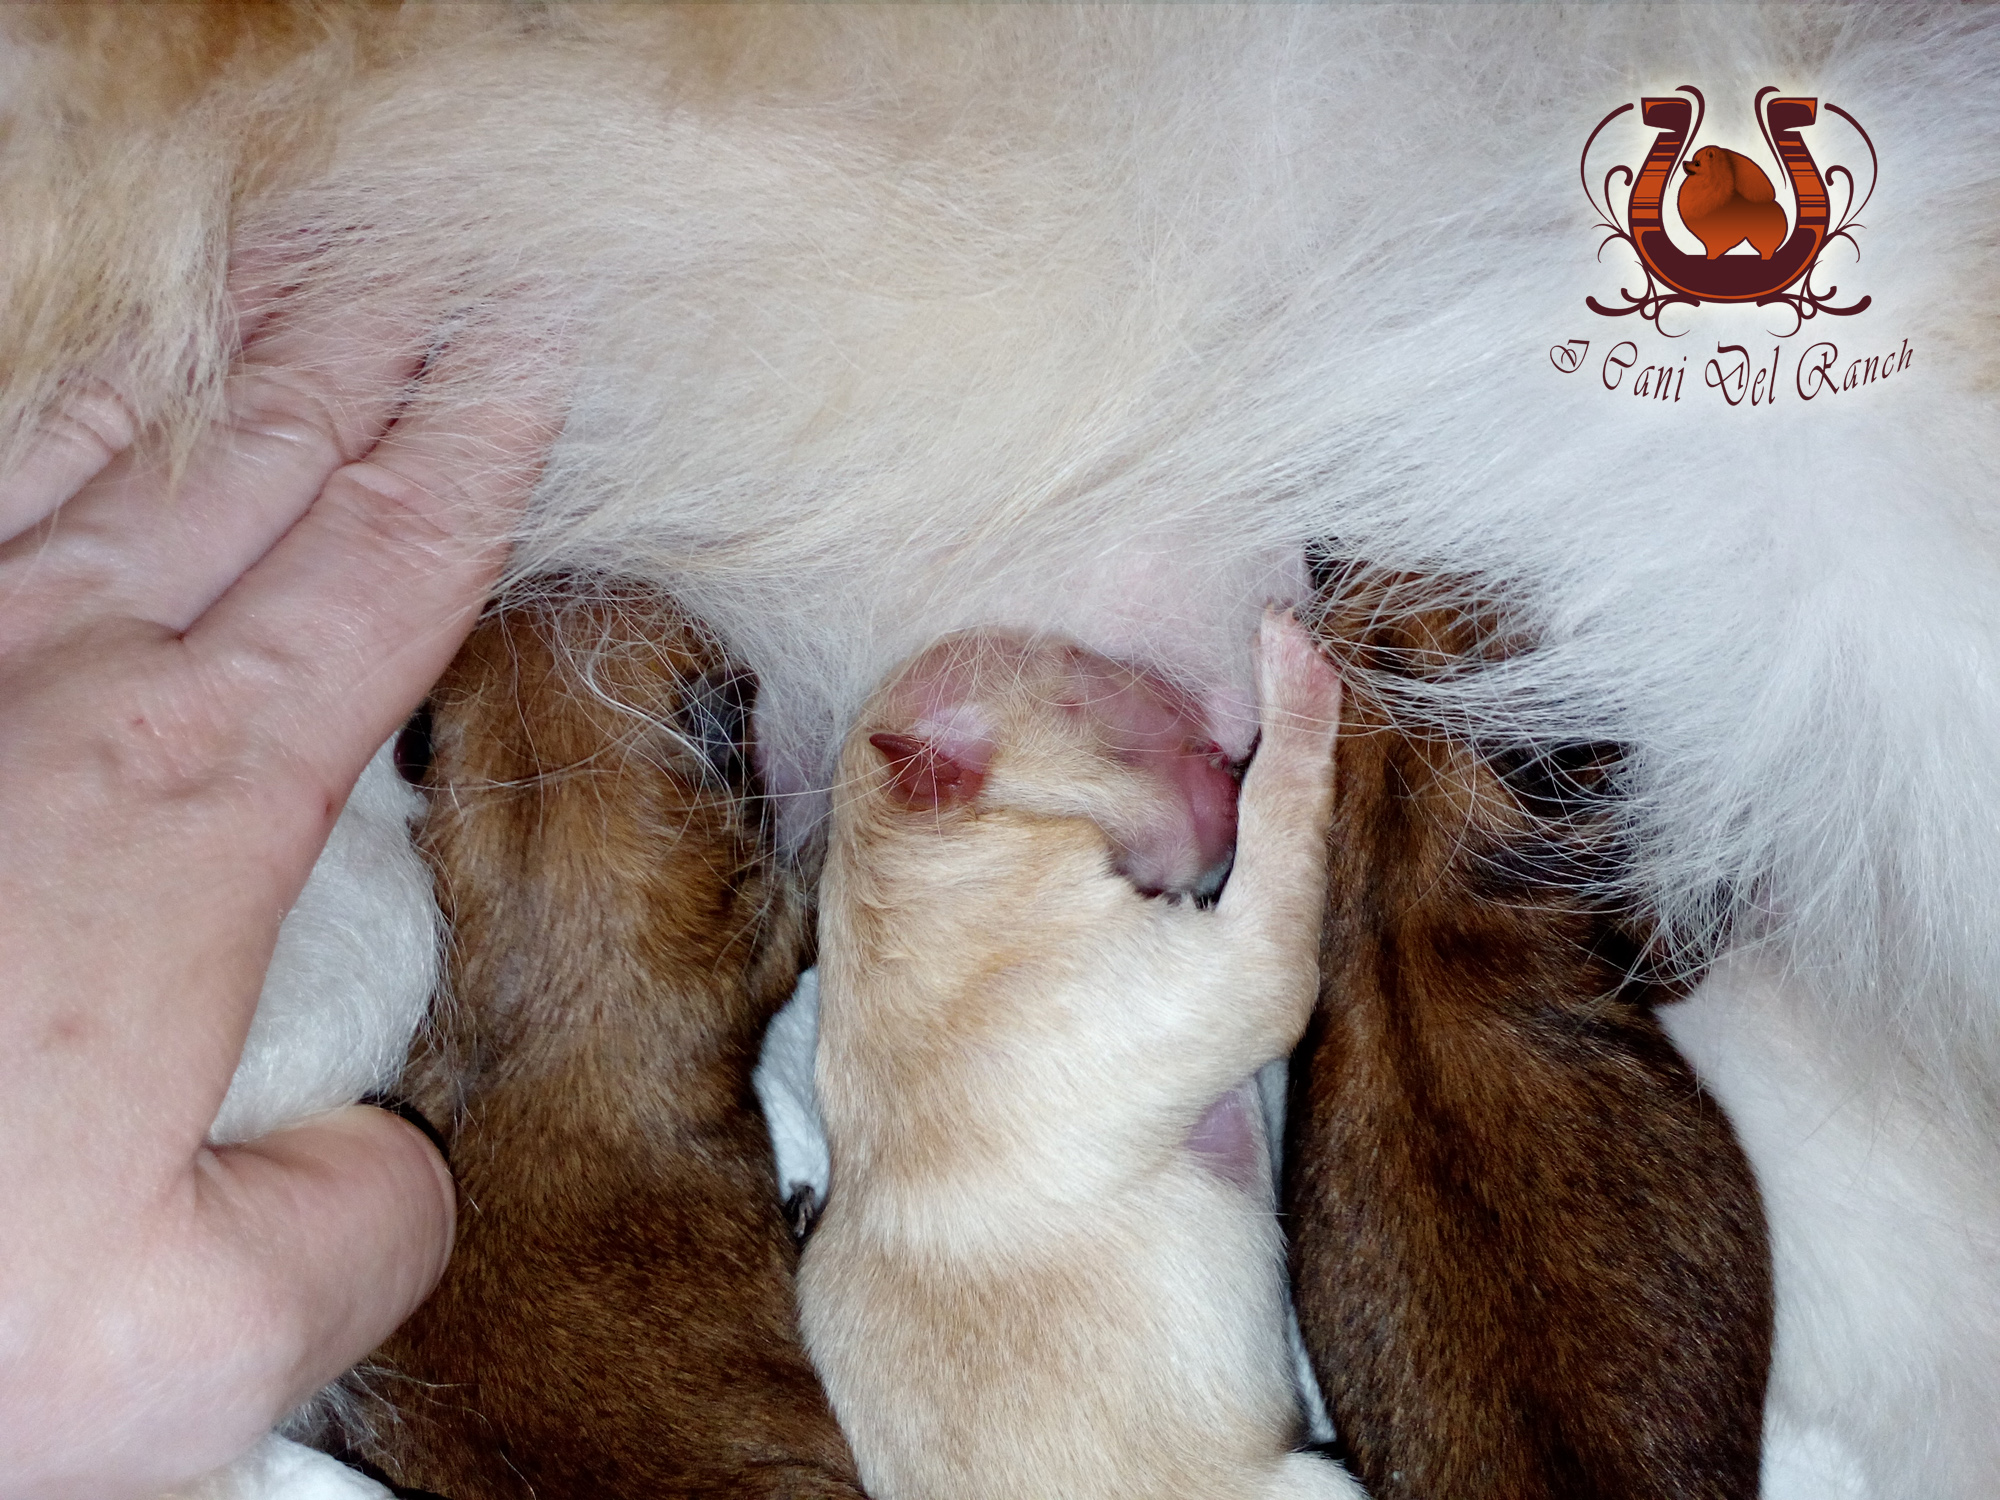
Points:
x=414 y=751
x=714 y=716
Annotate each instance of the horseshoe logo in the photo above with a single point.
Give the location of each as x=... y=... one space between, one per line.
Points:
x=1724 y=199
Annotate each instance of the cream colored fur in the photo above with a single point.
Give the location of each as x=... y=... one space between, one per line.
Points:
x=1025 y=1283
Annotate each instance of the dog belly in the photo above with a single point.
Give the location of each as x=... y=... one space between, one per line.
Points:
x=1885 y=1238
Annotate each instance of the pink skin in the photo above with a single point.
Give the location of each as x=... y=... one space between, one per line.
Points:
x=1227 y=1138
x=1154 y=599
x=1153 y=726
x=192 y=675
x=1142 y=720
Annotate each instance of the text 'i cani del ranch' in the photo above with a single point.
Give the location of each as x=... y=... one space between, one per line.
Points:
x=1713 y=229
x=1738 y=375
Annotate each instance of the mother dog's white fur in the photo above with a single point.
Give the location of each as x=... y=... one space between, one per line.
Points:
x=278 y=1469
x=1885 y=1229
x=1089 y=319
x=356 y=962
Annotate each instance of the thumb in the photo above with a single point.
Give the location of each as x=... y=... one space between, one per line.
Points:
x=343 y=1224
x=264 y=1272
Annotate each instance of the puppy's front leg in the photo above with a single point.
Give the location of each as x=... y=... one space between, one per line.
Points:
x=1273 y=906
x=1239 y=982
x=1232 y=988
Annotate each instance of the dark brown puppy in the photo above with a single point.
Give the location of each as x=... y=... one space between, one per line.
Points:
x=618 y=1317
x=1529 y=1257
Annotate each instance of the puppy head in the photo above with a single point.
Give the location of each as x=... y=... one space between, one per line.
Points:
x=1711 y=182
x=985 y=722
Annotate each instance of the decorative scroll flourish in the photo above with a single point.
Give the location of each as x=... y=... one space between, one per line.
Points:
x=1782 y=274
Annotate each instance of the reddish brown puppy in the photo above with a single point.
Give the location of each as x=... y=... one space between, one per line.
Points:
x=1529 y=1257
x=617 y=1319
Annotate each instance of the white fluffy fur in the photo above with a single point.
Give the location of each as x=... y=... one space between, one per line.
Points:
x=1087 y=319
x=1885 y=1228
x=356 y=962
x=278 y=1469
x=784 y=1081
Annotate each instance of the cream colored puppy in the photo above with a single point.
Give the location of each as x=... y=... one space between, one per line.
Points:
x=1049 y=1266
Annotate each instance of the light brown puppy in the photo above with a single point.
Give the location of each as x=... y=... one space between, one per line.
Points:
x=1530 y=1258
x=1049 y=1266
x=617 y=1319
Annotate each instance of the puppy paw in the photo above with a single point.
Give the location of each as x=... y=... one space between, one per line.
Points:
x=1298 y=689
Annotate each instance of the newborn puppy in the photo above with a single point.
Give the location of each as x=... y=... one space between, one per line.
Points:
x=1529 y=1256
x=1048 y=1265
x=617 y=1319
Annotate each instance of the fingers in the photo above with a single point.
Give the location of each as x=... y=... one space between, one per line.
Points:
x=193 y=679
x=94 y=424
x=348 y=1222
x=312 y=660
x=141 y=542
x=331 y=639
x=216 y=1306
x=77 y=443
x=185 y=784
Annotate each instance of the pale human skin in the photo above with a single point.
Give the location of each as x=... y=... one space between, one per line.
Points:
x=190 y=681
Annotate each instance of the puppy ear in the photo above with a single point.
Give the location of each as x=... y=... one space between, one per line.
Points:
x=923 y=774
x=1751 y=183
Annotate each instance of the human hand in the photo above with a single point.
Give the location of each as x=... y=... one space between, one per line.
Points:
x=191 y=678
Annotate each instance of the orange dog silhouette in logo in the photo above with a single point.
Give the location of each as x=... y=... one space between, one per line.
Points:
x=1727 y=199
